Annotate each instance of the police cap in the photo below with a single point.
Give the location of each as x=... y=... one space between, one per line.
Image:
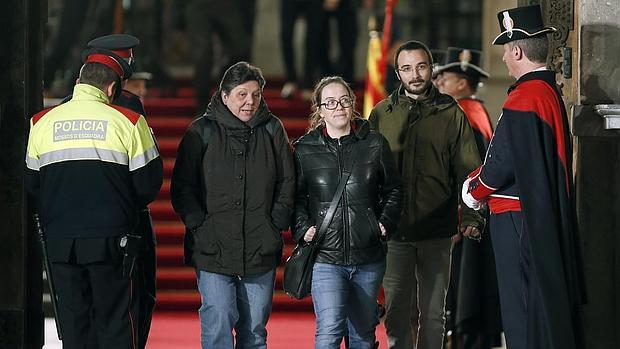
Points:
x=108 y=58
x=121 y=44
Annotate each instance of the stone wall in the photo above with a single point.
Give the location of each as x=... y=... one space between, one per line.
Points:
x=598 y=165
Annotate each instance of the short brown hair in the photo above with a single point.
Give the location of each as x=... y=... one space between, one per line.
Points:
x=240 y=73
x=412 y=46
x=98 y=75
x=535 y=49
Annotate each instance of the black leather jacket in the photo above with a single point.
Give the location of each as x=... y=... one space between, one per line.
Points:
x=373 y=193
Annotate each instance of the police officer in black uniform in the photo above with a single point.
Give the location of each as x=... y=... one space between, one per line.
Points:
x=144 y=275
x=92 y=166
x=146 y=263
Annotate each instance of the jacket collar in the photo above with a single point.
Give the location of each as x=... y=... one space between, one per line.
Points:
x=86 y=92
x=547 y=76
x=359 y=128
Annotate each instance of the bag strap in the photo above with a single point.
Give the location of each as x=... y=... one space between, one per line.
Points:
x=346 y=173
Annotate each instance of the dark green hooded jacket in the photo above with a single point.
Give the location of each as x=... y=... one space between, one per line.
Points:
x=435 y=150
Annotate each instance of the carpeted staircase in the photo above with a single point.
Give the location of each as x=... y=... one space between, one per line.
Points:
x=169 y=117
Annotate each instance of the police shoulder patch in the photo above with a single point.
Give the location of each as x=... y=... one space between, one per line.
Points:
x=131 y=115
x=36 y=117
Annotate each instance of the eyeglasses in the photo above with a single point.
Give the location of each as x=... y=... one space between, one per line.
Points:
x=345 y=102
x=420 y=68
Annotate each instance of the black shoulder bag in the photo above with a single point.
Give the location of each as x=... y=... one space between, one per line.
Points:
x=298 y=267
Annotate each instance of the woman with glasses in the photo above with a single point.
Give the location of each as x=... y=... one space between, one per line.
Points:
x=351 y=260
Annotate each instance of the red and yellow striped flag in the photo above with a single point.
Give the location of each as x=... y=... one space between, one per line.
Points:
x=376 y=62
x=375 y=74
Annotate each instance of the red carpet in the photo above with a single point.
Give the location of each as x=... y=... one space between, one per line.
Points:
x=285 y=331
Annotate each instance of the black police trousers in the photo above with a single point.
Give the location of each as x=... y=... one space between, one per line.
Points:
x=144 y=277
x=94 y=297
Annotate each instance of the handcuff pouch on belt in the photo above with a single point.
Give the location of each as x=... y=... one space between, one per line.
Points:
x=131 y=246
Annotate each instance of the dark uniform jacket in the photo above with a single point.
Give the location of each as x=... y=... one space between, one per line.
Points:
x=530 y=158
x=473 y=299
x=373 y=193
x=435 y=149
x=234 y=192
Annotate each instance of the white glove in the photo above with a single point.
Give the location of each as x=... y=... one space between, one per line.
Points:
x=468 y=199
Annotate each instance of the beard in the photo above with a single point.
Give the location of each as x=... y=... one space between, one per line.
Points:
x=417 y=90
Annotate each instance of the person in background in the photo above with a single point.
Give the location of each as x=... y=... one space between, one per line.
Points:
x=527 y=183
x=434 y=148
x=472 y=303
x=91 y=167
x=459 y=77
x=232 y=185
x=137 y=84
x=210 y=23
x=350 y=263
x=290 y=12
x=344 y=14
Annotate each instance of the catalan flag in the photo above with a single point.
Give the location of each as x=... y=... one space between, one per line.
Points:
x=376 y=61
x=375 y=74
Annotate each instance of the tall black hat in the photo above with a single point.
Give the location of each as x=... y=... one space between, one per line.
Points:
x=462 y=60
x=438 y=55
x=520 y=23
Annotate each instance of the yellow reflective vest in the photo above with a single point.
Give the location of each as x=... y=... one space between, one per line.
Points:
x=91 y=165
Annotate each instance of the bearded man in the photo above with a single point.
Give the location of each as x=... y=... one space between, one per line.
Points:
x=435 y=149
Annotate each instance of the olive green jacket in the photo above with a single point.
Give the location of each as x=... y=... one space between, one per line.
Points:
x=435 y=150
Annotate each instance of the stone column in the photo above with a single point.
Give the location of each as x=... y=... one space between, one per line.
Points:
x=21 y=314
x=598 y=166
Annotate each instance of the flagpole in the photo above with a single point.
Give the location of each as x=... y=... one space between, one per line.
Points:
x=387 y=26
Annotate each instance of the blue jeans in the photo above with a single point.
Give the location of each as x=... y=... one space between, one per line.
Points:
x=345 y=301
x=232 y=302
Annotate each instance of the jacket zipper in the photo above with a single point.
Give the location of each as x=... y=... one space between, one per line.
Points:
x=243 y=235
x=412 y=140
x=345 y=220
